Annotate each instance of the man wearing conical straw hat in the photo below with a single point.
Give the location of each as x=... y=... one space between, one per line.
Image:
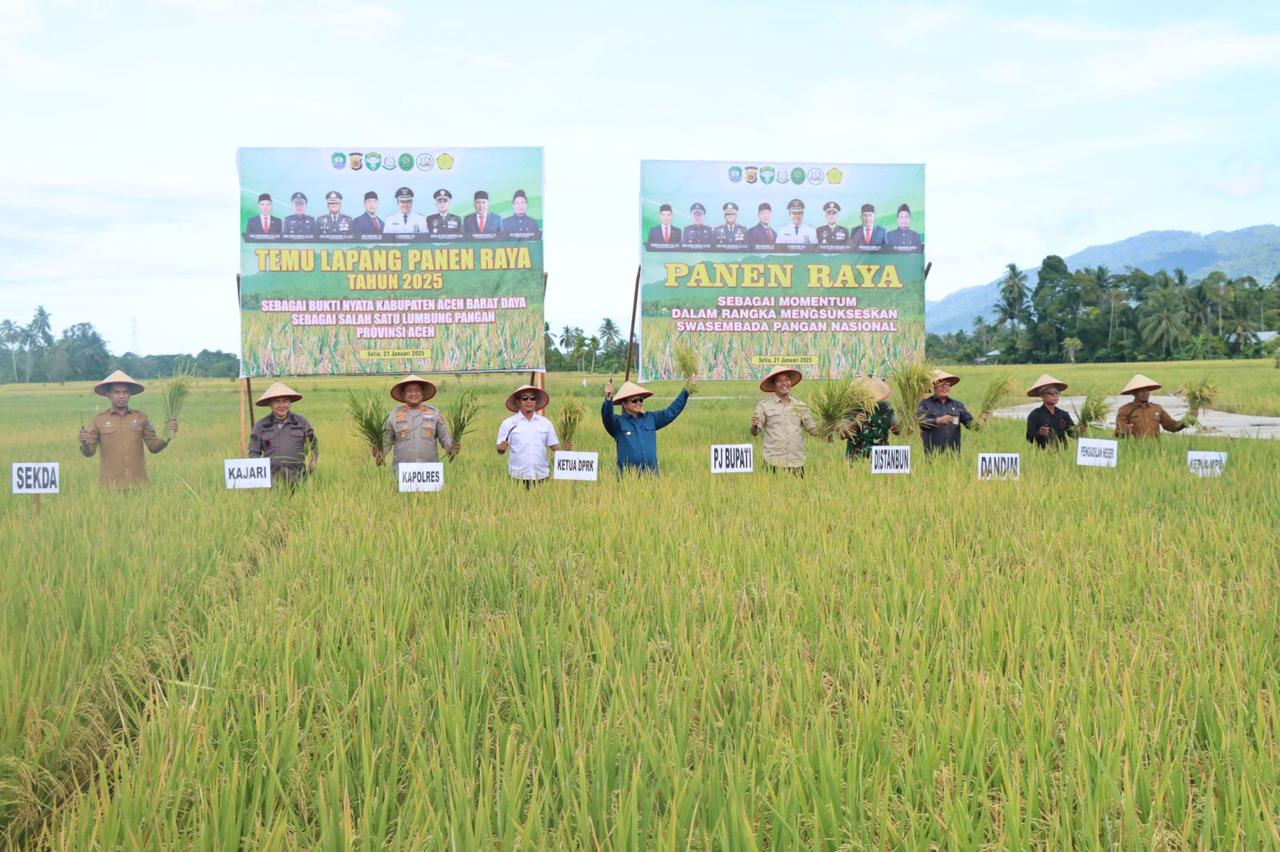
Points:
x=871 y=428
x=941 y=416
x=1048 y=426
x=526 y=435
x=121 y=431
x=284 y=436
x=783 y=419
x=635 y=430
x=1143 y=418
x=415 y=429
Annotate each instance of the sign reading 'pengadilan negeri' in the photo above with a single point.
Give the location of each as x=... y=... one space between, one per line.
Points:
x=1206 y=463
x=583 y=467
x=1097 y=452
x=420 y=476
x=890 y=459
x=732 y=458
x=246 y=473
x=999 y=466
x=35 y=478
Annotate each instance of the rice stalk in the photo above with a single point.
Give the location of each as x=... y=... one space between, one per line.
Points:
x=1199 y=394
x=460 y=417
x=176 y=391
x=567 y=419
x=913 y=381
x=1093 y=412
x=366 y=413
x=1001 y=386
x=687 y=365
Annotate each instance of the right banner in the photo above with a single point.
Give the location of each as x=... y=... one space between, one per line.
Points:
x=757 y=264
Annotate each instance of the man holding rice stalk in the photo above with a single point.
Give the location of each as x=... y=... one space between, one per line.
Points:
x=636 y=431
x=284 y=437
x=783 y=419
x=415 y=428
x=870 y=428
x=941 y=416
x=1143 y=418
x=122 y=431
x=527 y=435
x=1048 y=426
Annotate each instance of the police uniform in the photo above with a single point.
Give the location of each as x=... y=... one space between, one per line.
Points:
x=285 y=442
x=832 y=235
x=726 y=233
x=697 y=234
x=299 y=224
x=333 y=223
x=415 y=432
x=448 y=224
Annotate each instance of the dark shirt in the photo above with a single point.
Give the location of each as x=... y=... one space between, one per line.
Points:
x=285 y=442
x=872 y=432
x=1059 y=421
x=937 y=438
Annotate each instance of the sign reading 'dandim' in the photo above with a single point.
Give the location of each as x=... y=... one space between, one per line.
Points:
x=1206 y=464
x=583 y=467
x=999 y=466
x=35 y=477
x=890 y=459
x=1096 y=452
x=733 y=458
x=247 y=473
x=420 y=476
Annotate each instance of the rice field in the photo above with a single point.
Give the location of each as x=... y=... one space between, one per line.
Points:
x=1080 y=659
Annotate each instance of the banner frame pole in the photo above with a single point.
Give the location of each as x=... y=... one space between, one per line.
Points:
x=631 y=335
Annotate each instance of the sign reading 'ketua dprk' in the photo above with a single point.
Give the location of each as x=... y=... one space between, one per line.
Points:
x=583 y=467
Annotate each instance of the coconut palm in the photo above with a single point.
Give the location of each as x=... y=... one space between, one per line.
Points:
x=1163 y=322
x=1013 y=297
x=10 y=335
x=609 y=333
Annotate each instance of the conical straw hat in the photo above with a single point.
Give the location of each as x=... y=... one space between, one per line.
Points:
x=628 y=390
x=1140 y=382
x=397 y=390
x=1045 y=381
x=879 y=389
x=514 y=405
x=943 y=376
x=119 y=377
x=278 y=390
x=766 y=384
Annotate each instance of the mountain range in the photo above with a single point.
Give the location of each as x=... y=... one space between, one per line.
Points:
x=1249 y=251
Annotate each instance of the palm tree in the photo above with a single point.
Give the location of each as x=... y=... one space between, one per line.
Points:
x=609 y=333
x=1013 y=297
x=567 y=338
x=10 y=334
x=1072 y=345
x=41 y=329
x=1163 y=323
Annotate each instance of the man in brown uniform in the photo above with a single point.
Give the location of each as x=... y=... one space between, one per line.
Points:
x=784 y=420
x=121 y=431
x=284 y=437
x=1143 y=418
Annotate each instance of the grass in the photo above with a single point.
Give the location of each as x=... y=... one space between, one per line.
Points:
x=1079 y=659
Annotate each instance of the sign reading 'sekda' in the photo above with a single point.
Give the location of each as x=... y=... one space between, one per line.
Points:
x=35 y=478
x=420 y=476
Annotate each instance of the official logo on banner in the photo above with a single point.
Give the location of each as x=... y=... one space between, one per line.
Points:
x=766 y=174
x=338 y=160
x=735 y=174
x=815 y=175
x=797 y=175
x=834 y=175
x=784 y=176
x=752 y=174
x=445 y=161
x=425 y=162
x=406 y=162
x=356 y=159
x=373 y=161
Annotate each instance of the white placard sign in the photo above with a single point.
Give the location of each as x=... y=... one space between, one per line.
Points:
x=247 y=473
x=35 y=477
x=1206 y=464
x=733 y=458
x=1097 y=452
x=999 y=466
x=890 y=459
x=420 y=476
x=584 y=467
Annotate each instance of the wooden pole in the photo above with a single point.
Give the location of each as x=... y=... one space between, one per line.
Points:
x=244 y=434
x=927 y=267
x=247 y=403
x=37 y=496
x=631 y=336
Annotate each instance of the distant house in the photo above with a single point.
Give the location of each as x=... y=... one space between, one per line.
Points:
x=1253 y=337
x=983 y=359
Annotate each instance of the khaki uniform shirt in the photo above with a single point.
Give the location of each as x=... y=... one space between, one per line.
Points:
x=415 y=433
x=783 y=426
x=1143 y=420
x=121 y=437
x=285 y=442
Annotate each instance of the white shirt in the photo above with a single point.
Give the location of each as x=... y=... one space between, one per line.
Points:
x=529 y=439
x=400 y=223
x=797 y=235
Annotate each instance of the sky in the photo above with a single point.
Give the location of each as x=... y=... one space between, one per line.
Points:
x=1042 y=131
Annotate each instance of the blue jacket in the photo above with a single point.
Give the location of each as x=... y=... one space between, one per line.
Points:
x=637 y=437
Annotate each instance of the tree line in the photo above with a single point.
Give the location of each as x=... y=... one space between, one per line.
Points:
x=1094 y=314
x=30 y=353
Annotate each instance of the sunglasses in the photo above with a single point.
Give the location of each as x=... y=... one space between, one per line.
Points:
x=633 y=401
x=526 y=398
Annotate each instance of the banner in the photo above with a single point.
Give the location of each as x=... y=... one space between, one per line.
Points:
x=390 y=260
x=760 y=264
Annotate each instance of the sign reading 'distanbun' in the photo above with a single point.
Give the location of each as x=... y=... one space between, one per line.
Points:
x=999 y=466
x=732 y=458
x=420 y=476
x=583 y=467
x=1206 y=463
x=35 y=477
x=1097 y=452
x=246 y=473
x=890 y=459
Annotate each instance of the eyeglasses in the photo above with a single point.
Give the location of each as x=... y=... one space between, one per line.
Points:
x=633 y=400
x=526 y=398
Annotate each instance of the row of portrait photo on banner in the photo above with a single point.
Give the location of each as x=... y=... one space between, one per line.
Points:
x=283 y=447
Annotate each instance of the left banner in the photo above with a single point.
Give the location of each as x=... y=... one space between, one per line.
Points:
x=390 y=260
